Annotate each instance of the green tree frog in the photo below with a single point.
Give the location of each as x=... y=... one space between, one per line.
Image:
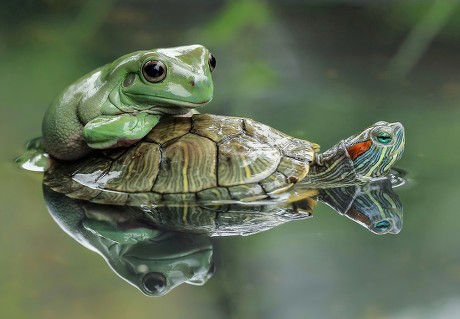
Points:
x=119 y=103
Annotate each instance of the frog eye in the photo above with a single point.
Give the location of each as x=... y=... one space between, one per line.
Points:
x=211 y=270
x=384 y=137
x=154 y=71
x=154 y=283
x=212 y=62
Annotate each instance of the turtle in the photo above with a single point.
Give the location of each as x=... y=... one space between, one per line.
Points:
x=218 y=159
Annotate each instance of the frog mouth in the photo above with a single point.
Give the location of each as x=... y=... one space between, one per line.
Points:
x=158 y=102
x=166 y=257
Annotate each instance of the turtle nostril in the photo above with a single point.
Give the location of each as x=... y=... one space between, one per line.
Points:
x=192 y=83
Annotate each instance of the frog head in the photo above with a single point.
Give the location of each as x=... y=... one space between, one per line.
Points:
x=161 y=81
x=170 y=259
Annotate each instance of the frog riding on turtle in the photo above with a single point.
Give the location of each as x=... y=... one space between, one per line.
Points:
x=119 y=103
x=210 y=158
x=117 y=127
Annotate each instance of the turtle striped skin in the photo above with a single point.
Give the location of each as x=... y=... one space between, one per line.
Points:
x=210 y=158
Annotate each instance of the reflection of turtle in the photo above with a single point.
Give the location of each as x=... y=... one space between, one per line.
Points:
x=158 y=248
x=373 y=205
x=217 y=158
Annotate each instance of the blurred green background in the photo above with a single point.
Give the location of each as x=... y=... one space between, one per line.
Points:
x=320 y=70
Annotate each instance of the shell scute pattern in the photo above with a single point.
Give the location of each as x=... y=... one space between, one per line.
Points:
x=294 y=170
x=188 y=164
x=84 y=193
x=210 y=158
x=297 y=149
x=276 y=183
x=139 y=199
x=115 y=198
x=243 y=159
x=174 y=198
x=170 y=129
x=211 y=194
x=247 y=192
x=217 y=128
x=137 y=170
x=292 y=147
x=77 y=175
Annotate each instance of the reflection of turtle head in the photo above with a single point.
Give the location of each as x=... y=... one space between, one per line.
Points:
x=378 y=219
x=160 y=264
x=374 y=205
x=379 y=208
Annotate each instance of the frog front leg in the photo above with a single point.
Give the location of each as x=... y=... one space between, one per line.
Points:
x=107 y=131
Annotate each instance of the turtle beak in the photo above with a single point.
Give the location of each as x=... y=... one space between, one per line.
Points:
x=399 y=132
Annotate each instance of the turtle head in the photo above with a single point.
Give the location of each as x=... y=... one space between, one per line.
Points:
x=374 y=151
x=361 y=157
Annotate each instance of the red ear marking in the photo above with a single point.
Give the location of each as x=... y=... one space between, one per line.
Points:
x=358 y=149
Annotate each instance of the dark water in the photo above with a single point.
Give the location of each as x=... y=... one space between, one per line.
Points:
x=319 y=72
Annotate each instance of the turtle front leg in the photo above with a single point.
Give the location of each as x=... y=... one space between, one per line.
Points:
x=119 y=130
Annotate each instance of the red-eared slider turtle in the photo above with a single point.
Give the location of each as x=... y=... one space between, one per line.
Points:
x=217 y=158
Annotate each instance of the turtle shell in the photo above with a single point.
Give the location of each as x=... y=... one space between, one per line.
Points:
x=203 y=157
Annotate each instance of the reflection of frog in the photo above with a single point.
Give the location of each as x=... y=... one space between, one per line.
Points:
x=119 y=103
x=153 y=260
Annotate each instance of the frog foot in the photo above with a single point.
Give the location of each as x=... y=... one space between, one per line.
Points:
x=35 y=158
x=114 y=233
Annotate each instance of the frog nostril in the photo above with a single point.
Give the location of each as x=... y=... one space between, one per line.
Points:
x=192 y=83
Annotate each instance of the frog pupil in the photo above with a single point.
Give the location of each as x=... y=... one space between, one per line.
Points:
x=154 y=282
x=384 y=138
x=212 y=62
x=154 y=71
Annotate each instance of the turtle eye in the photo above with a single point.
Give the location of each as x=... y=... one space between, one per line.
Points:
x=382 y=226
x=154 y=283
x=384 y=137
x=154 y=71
x=212 y=62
